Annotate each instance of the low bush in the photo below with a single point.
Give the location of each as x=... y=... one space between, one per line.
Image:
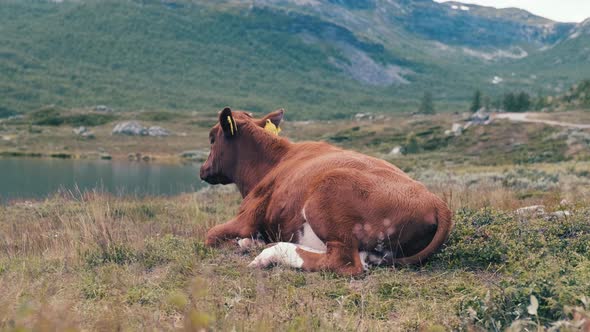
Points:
x=52 y=116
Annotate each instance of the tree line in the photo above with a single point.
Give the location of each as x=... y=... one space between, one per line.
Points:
x=509 y=102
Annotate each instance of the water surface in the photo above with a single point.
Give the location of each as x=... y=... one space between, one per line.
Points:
x=34 y=178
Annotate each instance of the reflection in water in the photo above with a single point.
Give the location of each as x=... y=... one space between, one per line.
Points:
x=22 y=178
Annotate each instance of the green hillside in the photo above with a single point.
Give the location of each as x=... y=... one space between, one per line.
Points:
x=328 y=61
x=129 y=55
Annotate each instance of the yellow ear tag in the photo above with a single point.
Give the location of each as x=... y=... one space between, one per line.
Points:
x=231 y=125
x=271 y=128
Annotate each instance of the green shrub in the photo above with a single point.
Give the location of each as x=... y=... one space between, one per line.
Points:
x=173 y=249
x=92 y=288
x=113 y=253
x=47 y=116
x=51 y=116
x=89 y=120
x=478 y=240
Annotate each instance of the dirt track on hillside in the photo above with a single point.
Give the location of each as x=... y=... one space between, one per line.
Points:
x=530 y=117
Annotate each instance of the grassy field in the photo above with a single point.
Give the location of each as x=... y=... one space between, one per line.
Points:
x=92 y=261
x=99 y=262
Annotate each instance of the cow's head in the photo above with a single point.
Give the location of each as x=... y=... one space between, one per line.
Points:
x=229 y=138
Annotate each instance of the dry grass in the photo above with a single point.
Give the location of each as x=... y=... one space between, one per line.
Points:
x=99 y=262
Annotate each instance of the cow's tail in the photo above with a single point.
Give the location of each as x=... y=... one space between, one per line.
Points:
x=445 y=224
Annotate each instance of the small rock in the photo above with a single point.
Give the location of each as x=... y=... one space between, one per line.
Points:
x=105 y=156
x=363 y=116
x=80 y=130
x=531 y=210
x=396 y=150
x=457 y=129
x=134 y=156
x=103 y=108
x=83 y=132
x=195 y=155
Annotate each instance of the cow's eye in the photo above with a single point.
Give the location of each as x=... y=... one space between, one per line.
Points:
x=212 y=139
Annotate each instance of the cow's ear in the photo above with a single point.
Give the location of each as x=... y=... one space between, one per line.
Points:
x=227 y=122
x=275 y=117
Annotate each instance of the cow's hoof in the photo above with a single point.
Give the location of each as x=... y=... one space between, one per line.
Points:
x=212 y=241
x=247 y=244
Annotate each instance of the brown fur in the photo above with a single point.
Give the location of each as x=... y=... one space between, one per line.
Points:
x=352 y=202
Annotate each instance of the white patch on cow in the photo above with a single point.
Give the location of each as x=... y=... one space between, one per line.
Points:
x=309 y=239
x=283 y=253
x=317 y=251
x=363 y=255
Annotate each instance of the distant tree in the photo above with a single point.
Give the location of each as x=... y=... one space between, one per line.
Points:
x=509 y=102
x=523 y=102
x=476 y=103
x=498 y=103
x=487 y=102
x=520 y=102
x=583 y=92
x=427 y=105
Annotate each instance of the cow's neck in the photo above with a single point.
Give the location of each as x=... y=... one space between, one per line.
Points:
x=259 y=154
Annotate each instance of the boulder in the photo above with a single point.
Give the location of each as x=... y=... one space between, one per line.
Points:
x=131 y=128
x=481 y=117
x=562 y=214
x=157 y=131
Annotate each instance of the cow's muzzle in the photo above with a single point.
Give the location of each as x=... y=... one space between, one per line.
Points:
x=210 y=177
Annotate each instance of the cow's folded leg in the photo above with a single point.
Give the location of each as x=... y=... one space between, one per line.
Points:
x=230 y=230
x=340 y=258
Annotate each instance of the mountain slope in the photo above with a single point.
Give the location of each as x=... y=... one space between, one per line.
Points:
x=320 y=59
x=146 y=56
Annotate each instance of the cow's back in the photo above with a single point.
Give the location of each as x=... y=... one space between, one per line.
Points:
x=306 y=165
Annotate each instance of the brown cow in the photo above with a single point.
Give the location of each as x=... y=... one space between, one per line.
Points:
x=328 y=208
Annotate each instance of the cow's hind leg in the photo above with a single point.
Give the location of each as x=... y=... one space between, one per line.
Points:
x=338 y=257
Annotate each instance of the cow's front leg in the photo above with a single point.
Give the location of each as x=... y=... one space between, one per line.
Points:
x=238 y=227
